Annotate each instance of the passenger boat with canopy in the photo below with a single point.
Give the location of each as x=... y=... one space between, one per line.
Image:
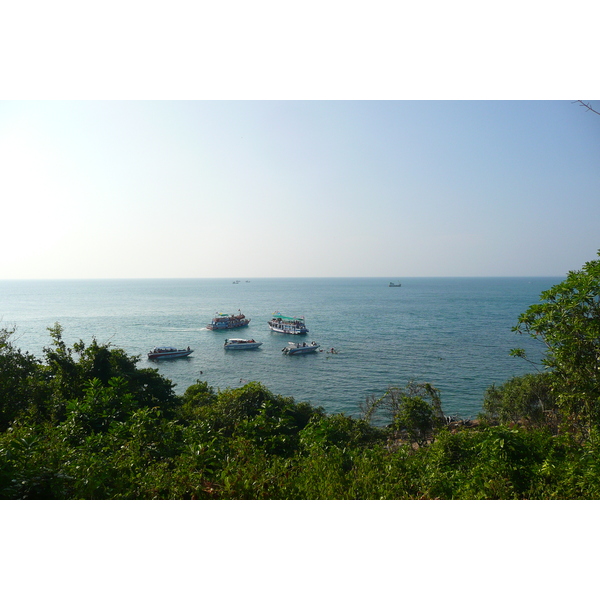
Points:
x=291 y=325
x=227 y=321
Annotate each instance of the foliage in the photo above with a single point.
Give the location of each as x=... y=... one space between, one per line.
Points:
x=526 y=398
x=567 y=321
x=19 y=387
x=70 y=369
x=254 y=413
x=89 y=424
x=415 y=410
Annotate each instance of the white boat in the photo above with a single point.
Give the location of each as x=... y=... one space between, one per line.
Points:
x=293 y=348
x=240 y=344
x=291 y=325
x=226 y=321
x=160 y=352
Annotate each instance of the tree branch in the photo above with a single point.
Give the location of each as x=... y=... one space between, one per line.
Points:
x=586 y=105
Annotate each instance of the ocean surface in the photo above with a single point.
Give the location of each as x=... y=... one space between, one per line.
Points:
x=454 y=333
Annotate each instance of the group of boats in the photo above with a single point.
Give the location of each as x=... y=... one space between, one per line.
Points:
x=278 y=323
x=223 y=321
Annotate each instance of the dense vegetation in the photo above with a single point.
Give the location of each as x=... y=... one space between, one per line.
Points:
x=86 y=422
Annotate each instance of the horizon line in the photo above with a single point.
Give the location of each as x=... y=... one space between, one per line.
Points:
x=246 y=280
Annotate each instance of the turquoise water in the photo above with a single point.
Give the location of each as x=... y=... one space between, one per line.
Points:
x=452 y=332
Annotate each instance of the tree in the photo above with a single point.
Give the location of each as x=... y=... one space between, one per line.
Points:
x=415 y=410
x=567 y=321
x=21 y=385
x=527 y=398
x=70 y=370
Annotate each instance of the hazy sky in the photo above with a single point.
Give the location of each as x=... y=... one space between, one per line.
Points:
x=245 y=189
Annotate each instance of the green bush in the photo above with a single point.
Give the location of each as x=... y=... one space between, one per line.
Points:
x=88 y=424
x=526 y=398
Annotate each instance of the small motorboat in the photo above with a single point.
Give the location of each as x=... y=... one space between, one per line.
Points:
x=293 y=348
x=240 y=344
x=160 y=352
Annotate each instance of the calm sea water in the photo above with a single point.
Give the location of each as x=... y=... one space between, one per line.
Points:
x=452 y=332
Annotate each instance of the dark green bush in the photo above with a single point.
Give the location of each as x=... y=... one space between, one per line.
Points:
x=527 y=398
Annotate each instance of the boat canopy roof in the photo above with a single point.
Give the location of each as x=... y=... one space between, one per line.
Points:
x=283 y=318
x=164 y=349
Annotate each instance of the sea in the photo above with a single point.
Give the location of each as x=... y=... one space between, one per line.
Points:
x=454 y=333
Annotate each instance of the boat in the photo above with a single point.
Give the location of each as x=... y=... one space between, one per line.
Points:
x=392 y=284
x=160 y=352
x=227 y=321
x=291 y=325
x=240 y=344
x=293 y=348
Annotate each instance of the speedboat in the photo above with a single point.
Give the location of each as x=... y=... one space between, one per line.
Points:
x=160 y=352
x=305 y=348
x=226 y=321
x=292 y=325
x=240 y=344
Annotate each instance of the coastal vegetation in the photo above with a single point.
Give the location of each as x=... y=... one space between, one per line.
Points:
x=86 y=422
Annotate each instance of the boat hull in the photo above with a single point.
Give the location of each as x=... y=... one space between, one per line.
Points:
x=219 y=326
x=289 y=330
x=242 y=345
x=302 y=351
x=166 y=355
x=301 y=348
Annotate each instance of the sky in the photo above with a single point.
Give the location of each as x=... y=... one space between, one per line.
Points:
x=240 y=189
x=259 y=140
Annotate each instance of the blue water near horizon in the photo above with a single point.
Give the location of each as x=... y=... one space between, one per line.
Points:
x=452 y=332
